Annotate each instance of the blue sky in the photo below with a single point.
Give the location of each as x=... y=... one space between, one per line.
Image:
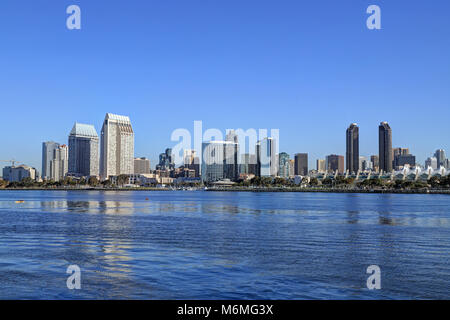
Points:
x=308 y=68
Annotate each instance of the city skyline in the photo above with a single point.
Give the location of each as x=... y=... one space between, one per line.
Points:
x=324 y=74
x=124 y=128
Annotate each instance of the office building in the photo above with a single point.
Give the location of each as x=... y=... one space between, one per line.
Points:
x=48 y=152
x=301 y=164
x=431 y=162
x=248 y=164
x=335 y=163
x=320 y=165
x=266 y=151
x=18 y=173
x=404 y=159
x=166 y=160
x=191 y=161
x=116 y=146
x=399 y=152
x=352 y=144
x=440 y=158
x=283 y=160
x=141 y=165
x=59 y=165
x=375 y=163
x=291 y=168
x=83 y=151
x=219 y=161
x=385 y=147
x=362 y=164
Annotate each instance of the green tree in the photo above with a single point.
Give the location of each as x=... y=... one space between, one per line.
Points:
x=93 y=181
x=122 y=179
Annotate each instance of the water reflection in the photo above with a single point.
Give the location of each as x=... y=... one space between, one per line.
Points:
x=226 y=245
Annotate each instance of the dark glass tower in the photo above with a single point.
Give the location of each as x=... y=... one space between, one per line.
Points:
x=352 y=154
x=301 y=164
x=385 y=146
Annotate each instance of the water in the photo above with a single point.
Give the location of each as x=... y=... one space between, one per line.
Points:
x=223 y=245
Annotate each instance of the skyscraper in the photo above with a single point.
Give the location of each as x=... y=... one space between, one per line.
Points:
x=362 y=164
x=248 y=164
x=301 y=164
x=385 y=147
x=83 y=150
x=352 y=143
x=431 y=162
x=291 y=168
x=219 y=161
x=232 y=152
x=116 y=146
x=191 y=161
x=375 y=162
x=266 y=158
x=320 y=165
x=60 y=163
x=283 y=160
x=400 y=152
x=335 y=162
x=48 y=152
x=166 y=160
x=440 y=157
x=141 y=165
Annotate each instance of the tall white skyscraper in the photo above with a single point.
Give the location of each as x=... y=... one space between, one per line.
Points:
x=116 y=146
x=266 y=151
x=48 y=152
x=60 y=163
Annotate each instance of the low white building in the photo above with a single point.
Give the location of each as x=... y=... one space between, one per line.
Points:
x=18 y=173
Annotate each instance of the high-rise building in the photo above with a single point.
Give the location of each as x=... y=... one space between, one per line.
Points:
x=362 y=164
x=59 y=165
x=301 y=164
x=404 y=159
x=375 y=163
x=335 y=162
x=166 y=160
x=291 y=168
x=248 y=164
x=232 y=164
x=320 y=165
x=352 y=143
x=191 y=161
x=141 y=165
x=400 y=152
x=431 y=162
x=266 y=158
x=116 y=146
x=440 y=157
x=48 y=152
x=232 y=136
x=385 y=147
x=283 y=160
x=83 y=151
x=219 y=161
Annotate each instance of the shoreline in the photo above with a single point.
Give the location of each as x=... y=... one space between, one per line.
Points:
x=332 y=190
x=247 y=189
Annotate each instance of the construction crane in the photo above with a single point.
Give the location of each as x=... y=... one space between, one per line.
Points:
x=13 y=162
